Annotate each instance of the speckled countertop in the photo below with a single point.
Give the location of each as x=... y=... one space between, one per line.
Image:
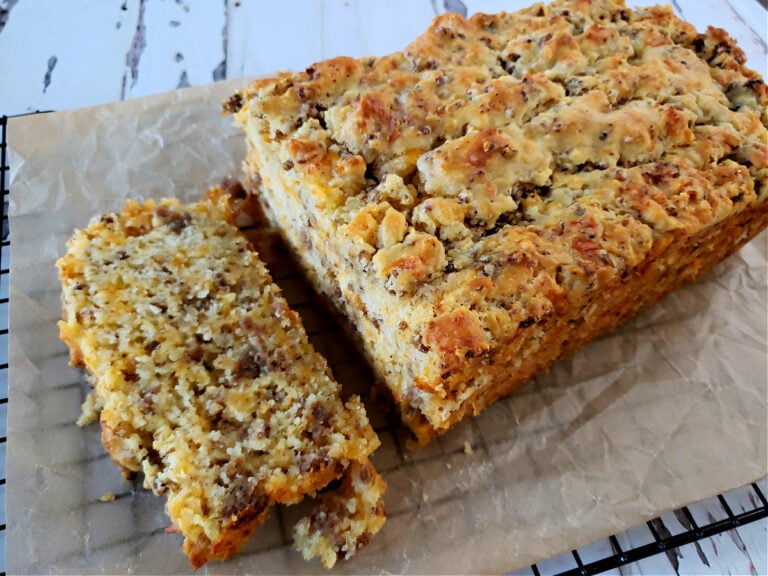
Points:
x=57 y=55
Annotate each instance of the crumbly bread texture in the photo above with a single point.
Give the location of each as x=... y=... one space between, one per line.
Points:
x=345 y=519
x=509 y=187
x=204 y=378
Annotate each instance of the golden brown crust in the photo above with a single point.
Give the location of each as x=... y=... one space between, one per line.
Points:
x=204 y=377
x=456 y=336
x=510 y=170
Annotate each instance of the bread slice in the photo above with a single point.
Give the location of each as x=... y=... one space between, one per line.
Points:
x=345 y=519
x=509 y=187
x=203 y=375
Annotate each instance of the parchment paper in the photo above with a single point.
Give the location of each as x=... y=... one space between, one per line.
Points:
x=669 y=410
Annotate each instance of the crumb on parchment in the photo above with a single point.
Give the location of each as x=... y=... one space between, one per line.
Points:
x=90 y=410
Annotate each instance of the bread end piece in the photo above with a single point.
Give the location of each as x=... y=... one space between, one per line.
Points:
x=345 y=519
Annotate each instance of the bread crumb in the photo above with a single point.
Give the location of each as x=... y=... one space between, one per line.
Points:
x=467 y=447
x=108 y=497
x=89 y=411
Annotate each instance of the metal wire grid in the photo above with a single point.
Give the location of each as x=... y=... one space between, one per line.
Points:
x=663 y=541
x=583 y=563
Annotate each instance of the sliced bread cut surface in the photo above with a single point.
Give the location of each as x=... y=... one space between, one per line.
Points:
x=203 y=377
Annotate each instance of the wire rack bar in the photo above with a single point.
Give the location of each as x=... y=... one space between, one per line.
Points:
x=691 y=521
x=4 y=296
x=760 y=494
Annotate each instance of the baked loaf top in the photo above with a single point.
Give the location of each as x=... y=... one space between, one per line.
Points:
x=504 y=165
x=204 y=377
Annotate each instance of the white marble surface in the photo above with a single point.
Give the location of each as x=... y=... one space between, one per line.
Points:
x=56 y=55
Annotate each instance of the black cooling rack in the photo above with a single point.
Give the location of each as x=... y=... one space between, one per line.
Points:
x=664 y=542
x=660 y=539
